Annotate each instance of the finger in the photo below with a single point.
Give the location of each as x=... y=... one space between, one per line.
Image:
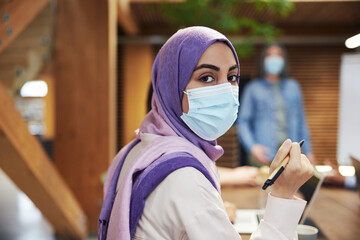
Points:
x=308 y=166
x=295 y=154
x=310 y=156
x=282 y=152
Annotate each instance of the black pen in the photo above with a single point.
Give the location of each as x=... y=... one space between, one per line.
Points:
x=276 y=173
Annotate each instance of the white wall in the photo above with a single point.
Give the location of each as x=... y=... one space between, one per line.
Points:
x=349 y=112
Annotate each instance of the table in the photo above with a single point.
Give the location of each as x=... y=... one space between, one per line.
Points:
x=336 y=211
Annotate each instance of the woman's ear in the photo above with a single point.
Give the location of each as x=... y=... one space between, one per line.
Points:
x=185 y=103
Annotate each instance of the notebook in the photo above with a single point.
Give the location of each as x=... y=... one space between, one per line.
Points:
x=247 y=220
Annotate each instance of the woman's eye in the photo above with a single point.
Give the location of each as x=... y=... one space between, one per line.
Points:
x=232 y=78
x=207 y=79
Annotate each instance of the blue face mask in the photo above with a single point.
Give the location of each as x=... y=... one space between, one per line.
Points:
x=274 y=65
x=212 y=110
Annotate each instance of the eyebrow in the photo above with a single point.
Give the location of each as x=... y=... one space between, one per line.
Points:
x=213 y=67
x=207 y=66
x=233 y=67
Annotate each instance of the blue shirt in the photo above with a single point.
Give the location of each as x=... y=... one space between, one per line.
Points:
x=256 y=123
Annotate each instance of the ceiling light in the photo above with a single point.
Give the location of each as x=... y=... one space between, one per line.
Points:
x=323 y=168
x=353 y=42
x=347 y=170
x=34 y=89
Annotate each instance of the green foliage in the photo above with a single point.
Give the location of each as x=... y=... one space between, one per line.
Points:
x=223 y=15
x=282 y=7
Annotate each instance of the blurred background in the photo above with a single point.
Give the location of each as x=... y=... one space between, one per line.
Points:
x=75 y=77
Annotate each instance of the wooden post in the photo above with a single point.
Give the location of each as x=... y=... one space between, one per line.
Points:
x=85 y=73
x=24 y=160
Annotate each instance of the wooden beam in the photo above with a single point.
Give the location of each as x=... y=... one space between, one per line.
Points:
x=23 y=159
x=126 y=19
x=15 y=16
x=85 y=97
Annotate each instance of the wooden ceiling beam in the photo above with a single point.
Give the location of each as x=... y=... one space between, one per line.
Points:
x=15 y=16
x=24 y=160
x=126 y=19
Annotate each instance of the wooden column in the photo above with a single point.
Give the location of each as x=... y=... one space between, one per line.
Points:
x=138 y=60
x=85 y=72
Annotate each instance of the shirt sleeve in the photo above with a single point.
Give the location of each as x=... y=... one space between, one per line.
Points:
x=304 y=128
x=280 y=219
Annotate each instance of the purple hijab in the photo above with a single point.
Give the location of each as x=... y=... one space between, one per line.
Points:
x=172 y=69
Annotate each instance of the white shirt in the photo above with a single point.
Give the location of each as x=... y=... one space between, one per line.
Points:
x=186 y=206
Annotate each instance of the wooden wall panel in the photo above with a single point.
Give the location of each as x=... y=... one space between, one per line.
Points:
x=138 y=60
x=317 y=69
x=229 y=142
x=85 y=72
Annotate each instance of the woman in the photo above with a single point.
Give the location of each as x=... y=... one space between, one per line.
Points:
x=194 y=78
x=272 y=110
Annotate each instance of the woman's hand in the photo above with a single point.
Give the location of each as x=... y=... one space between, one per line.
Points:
x=230 y=210
x=260 y=152
x=296 y=173
x=239 y=176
